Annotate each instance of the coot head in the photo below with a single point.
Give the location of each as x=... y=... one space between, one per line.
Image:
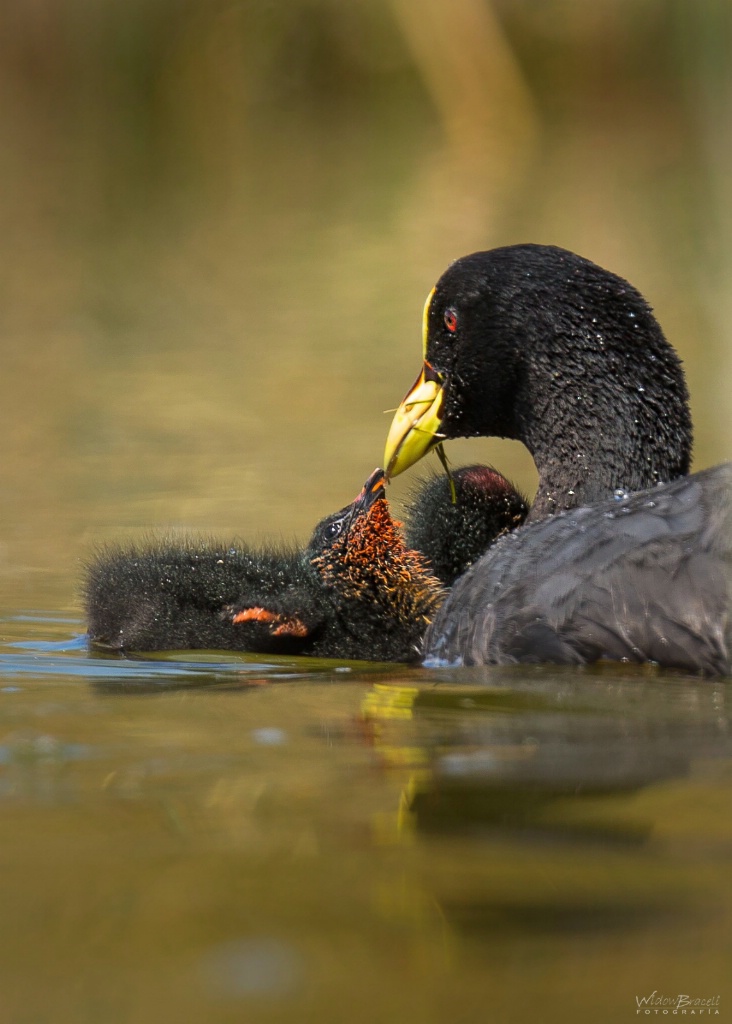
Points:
x=538 y=344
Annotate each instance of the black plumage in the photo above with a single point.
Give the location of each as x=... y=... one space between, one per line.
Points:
x=454 y=530
x=172 y=595
x=536 y=343
x=640 y=578
x=356 y=591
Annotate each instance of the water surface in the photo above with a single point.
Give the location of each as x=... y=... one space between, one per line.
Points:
x=210 y=837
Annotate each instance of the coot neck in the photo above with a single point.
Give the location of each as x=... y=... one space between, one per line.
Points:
x=599 y=429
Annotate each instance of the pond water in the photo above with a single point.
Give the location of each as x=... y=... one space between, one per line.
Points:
x=208 y=837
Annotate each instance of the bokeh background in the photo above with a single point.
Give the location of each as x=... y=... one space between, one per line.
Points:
x=220 y=221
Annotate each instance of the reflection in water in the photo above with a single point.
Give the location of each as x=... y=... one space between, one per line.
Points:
x=527 y=756
x=354 y=827
x=546 y=779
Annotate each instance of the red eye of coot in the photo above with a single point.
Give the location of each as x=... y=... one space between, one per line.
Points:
x=451 y=320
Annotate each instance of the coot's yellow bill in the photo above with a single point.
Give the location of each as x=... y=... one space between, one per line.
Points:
x=416 y=424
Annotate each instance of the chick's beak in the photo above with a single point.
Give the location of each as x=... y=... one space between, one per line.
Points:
x=416 y=424
x=372 y=490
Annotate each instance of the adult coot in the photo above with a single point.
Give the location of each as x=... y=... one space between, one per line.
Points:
x=356 y=591
x=535 y=343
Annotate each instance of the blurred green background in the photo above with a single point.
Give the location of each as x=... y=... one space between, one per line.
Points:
x=220 y=222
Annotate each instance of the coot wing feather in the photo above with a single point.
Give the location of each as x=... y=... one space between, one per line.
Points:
x=643 y=578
